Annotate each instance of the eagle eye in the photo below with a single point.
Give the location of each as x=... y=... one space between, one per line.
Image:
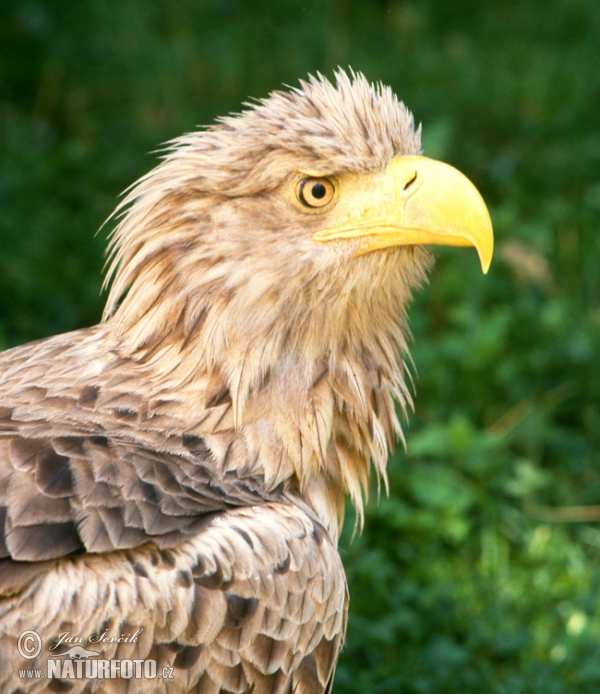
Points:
x=315 y=192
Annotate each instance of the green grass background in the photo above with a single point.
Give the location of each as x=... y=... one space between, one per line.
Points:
x=467 y=578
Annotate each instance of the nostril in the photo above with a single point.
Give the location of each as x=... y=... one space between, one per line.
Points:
x=409 y=183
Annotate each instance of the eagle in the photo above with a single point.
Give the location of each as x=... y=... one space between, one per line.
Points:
x=173 y=479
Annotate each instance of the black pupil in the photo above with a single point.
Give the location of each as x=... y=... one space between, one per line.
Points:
x=318 y=191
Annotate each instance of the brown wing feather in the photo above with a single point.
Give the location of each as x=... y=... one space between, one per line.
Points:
x=109 y=524
x=92 y=468
x=64 y=494
x=256 y=599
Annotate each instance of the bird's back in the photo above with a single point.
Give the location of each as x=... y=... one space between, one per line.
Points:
x=122 y=525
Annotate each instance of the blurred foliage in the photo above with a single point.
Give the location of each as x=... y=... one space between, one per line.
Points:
x=463 y=579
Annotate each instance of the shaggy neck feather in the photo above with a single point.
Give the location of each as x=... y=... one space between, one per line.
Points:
x=312 y=362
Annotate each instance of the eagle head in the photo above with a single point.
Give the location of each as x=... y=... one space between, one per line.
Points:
x=274 y=254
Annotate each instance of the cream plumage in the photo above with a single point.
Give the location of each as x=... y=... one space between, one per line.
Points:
x=181 y=467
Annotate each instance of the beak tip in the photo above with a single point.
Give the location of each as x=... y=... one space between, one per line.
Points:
x=483 y=240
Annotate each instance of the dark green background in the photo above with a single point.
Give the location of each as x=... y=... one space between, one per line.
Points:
x=467 y=578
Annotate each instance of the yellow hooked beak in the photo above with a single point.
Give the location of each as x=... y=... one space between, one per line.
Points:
x=416 y=200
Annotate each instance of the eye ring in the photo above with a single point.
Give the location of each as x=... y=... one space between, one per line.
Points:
x=315 y=192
